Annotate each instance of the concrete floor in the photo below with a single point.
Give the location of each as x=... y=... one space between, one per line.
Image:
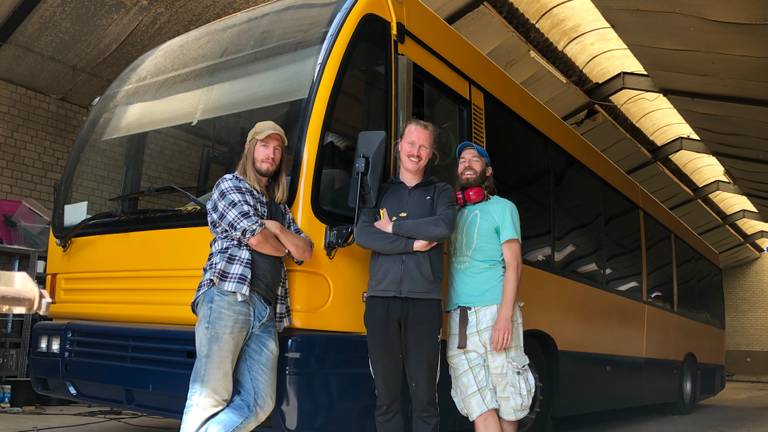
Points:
x=742 y=407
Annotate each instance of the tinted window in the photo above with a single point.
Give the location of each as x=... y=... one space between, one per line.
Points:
x=699 y=286
x=689 y=277
x=623 y=258
x=658 y=245
x=360 y=102
x=522 y=175
x=712 y=295
x=441 y=106
x=578 y=219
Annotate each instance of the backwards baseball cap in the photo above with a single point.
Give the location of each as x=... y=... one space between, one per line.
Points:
x=264 y=129
x=479 y=149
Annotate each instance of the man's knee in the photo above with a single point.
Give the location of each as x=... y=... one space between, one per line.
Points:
x=488 y=420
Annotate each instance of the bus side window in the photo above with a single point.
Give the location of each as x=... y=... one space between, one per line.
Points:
x=578 y=219
x=658 y=243
x=623 y=258
x=699 y=287
x=360 y=102
x=523 y=176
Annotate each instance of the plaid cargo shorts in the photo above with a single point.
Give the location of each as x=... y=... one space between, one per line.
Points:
x=483 y=379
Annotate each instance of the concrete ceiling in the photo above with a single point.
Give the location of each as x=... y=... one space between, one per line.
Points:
x=710 y=59
x=72 y=50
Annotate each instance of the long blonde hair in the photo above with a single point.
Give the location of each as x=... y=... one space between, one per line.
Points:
x=277 y=185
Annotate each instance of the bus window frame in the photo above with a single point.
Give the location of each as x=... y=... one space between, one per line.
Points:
x=423 y=63
x=327 y=217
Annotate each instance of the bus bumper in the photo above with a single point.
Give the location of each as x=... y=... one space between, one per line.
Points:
x=323 y=380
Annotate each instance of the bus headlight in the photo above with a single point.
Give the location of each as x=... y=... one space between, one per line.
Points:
x=42 y=343
x=55 y=344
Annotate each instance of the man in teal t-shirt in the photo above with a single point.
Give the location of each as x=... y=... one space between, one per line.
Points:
x=490 y=380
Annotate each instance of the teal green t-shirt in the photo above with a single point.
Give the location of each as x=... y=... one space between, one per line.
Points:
x=477 y=262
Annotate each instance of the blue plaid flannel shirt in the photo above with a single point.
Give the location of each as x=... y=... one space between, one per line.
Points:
x=236 y=212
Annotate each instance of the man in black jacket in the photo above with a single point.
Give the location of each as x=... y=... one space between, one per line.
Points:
x=403 y=315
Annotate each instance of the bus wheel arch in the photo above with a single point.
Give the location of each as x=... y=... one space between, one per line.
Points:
x=541 y=350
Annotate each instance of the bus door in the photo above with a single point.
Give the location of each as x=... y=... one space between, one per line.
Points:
x=431 y=90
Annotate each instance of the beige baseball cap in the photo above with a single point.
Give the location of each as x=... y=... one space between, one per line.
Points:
x=264 y=129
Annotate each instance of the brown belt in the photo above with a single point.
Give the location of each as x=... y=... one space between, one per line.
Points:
x=463 y=321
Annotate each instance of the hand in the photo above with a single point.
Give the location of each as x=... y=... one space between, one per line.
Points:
x=384 y=224
x=501 y=336
x=273 y=226
x=423 y=245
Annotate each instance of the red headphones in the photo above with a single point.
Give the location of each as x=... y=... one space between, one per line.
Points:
x=470 y=195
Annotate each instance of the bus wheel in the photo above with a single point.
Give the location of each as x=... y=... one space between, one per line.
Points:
x=686 y=397
x=539 y=417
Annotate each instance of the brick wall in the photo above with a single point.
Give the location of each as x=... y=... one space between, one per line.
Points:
x=36 y=133
x=746 y=311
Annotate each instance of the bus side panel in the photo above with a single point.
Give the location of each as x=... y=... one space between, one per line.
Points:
x=581 y=318
x=138 y=277
x=596 y=382
x=670 y=336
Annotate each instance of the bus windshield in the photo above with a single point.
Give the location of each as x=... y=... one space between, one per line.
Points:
x=176 y=120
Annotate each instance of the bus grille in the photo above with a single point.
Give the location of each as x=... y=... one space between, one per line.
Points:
x=173 y=350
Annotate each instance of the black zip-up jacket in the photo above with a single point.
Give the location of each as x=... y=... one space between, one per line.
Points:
x=427 y=211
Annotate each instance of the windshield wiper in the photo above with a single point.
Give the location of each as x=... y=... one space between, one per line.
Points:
x=160 y=190
x=66 y=238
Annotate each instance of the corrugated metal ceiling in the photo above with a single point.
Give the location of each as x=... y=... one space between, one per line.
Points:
x=689 y=179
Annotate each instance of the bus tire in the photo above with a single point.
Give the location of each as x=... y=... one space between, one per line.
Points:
x=539 y=418
x=687 y=385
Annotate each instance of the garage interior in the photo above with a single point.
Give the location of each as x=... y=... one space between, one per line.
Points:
x=674 y=92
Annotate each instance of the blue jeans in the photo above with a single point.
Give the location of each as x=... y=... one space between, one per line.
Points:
x=233 y=382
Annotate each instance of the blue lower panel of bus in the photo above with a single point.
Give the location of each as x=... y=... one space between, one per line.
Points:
x=324 y=383
x=597 y=382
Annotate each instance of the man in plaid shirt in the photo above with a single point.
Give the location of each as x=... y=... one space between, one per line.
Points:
x=242 y=299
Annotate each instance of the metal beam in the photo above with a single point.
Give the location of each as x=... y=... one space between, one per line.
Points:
x=680 y=144
x=641 y=82
x=756 y=236
x=742 y=214
x=716 y=186
x=622 y=81
x=670 y=148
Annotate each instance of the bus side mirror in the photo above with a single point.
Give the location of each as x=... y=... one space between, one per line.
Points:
x=368 y=169
x=364 y=189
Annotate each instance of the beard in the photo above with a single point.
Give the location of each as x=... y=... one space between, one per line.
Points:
x=478 y=180
x=265 y=172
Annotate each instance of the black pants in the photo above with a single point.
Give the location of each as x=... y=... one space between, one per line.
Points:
x=404 y=334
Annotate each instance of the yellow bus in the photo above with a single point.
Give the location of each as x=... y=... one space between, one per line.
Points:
x=623 y=303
